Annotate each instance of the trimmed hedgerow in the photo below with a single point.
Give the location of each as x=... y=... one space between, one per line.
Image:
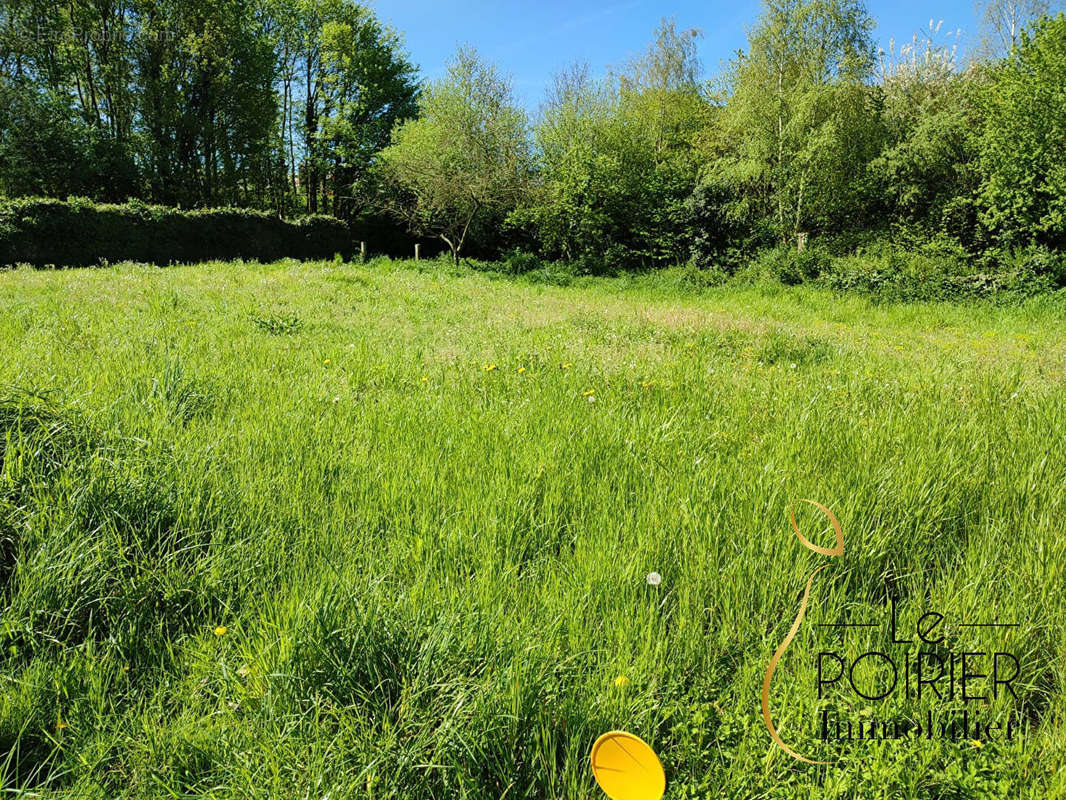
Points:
x=78 y=233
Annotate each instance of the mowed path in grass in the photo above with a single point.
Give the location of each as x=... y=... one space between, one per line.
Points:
x=421 y=506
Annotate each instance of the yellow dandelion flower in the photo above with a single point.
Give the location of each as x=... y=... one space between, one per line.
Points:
x=488 y=367
x=567 y=365
x=521 y=369
x=621 y=682
x=976 y=743
x=61 y=726
x=325 y=361
x=645 y=384
x=589 y=392
x=220 y=630
x=425 y=379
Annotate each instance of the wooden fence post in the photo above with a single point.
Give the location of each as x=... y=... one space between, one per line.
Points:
x=418 y=252
x=362 y=251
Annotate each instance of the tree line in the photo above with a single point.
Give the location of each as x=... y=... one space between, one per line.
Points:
x=269 y=104
x=810 y=133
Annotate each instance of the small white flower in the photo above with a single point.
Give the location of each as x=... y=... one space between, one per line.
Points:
x=791 y=366
x=592 y=398
x=654 y=579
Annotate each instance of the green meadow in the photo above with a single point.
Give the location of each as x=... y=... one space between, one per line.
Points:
x=331 y=530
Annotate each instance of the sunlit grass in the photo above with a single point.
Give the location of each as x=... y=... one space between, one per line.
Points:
x=378 y=531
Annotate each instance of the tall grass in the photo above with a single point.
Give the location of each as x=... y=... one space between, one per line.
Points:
x=319 y=530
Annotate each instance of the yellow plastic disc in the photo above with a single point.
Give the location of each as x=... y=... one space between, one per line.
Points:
x=626 y=768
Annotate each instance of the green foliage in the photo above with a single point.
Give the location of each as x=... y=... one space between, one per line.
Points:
x=797 y=130
x=44 y=151
x=66 y=106
x=314 y=105
x=1023 y=148
x=255 y=103
x=787 y=265
x=617 y=160
x=942 y=273
x=727 y=227
x=465 y=161
x=345 y=83
x=519 y=262
x=206 y=104
x=80 y=233
x=931 y=269
x=927 y=175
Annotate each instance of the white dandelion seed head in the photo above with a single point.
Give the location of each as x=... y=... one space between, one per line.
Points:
x=654 y=579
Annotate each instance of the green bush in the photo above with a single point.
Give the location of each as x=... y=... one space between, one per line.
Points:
x=787 y=265
x=698 y=274
x=1048 y=265
x=553 y=273
x=77 y=233
x=940 y=273
x=1023 y=149
x=519 y=262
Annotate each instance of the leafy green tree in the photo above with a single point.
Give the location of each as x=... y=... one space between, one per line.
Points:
x=464 y=159
x=369 y=87
x=617 y=159
x=663 y=101
x=927 y=174
x=799 y=127
x=584 y=193
x=344 y=82
x=67 y=105
x=205 y=74
x=245 y=102
x=1023 y=146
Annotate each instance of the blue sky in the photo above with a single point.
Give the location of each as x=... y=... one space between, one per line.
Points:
x=531 y=40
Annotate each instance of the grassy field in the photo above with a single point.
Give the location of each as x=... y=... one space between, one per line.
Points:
x=329 y=530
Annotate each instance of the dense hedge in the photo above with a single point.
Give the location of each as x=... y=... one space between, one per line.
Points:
x=78 y=233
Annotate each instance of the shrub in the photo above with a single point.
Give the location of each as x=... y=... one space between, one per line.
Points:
x=553 y=273
x=1022 y=146
x=77 y=233
x=698 y=274
x=788 y=265
x=519 y=262
x=938 y=273
x=725 y=228
x=1040 y=262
